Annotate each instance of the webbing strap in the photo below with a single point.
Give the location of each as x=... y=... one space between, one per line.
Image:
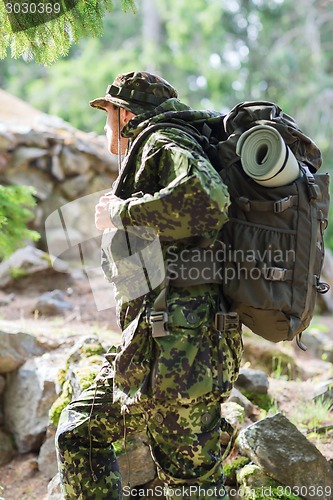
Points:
x=267 y=206
x=159 y=315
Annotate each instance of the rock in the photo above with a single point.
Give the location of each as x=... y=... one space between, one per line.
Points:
x=284 y=453
x=7 y=140
x=75 y=186
x=16 y=348
x=47 y=459
x=253 y=381
x=28 y=397
x=233 y=413
x=22 y=155
x=26 y=176
x=25 y=261
x=6 y=299
x=323 y=392
x=138 y=452
x=7 y=450
x=239 y=398
x=53 y=303
x=73 y=163
x=252 y=477
x=56 y=169
x=83 y=362
x=318 y=343
x=2 y=381
x=53 y=489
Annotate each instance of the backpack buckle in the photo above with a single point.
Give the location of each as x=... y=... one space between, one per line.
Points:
x=226 y=321
x=158 y=321
x=274 y=273
x=283 y=204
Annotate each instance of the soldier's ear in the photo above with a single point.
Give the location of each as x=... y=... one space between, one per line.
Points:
x=126 y=115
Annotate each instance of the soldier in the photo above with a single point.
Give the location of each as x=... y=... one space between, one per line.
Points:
x=174 y=367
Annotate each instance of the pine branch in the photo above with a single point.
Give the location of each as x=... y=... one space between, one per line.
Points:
x=27 y=36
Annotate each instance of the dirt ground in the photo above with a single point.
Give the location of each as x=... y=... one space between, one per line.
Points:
x=21 y=479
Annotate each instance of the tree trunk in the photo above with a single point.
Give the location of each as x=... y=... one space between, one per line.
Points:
x=151 y=34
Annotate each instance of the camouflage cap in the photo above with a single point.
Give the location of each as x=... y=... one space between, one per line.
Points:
x=137 y=92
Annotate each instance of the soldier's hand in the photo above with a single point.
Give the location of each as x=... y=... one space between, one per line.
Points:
x=102 y=212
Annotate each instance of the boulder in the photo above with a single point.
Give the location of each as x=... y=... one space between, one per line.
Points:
x=285 y=454
x=252 y=477
x=15 y=348
x=237 y=397
x=7 y=450
x=319 y=343
x=28 y=396
x=324 y=392
x=53 y=303
x=25 y=261
x=47 y=459
x=233 y=413
x=253 y=381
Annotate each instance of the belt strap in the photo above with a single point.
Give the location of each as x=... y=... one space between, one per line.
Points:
x=159 y=315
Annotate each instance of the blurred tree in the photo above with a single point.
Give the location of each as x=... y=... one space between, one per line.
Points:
x=15 y=213
x=44 y=31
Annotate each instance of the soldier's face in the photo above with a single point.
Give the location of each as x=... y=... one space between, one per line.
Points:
x=112 y=127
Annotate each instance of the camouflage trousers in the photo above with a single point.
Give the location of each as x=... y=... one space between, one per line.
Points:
x=184 y=439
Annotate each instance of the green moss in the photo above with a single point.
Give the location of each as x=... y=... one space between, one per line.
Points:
x=61 y=377
x=17 y=273
x=85 y=375
x=47 y=258
x=231 y=467
x=60 y=403
x=264 y=401
x=88 y=350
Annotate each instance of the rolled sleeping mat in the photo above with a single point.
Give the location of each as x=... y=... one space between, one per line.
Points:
x=266 y=158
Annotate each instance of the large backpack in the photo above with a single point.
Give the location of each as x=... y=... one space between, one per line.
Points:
x=273 y=241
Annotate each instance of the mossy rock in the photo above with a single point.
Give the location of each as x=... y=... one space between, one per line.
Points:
x=256 y=485
x=264 y=401
x=231 y=468
x=82 y=366
x=60 y=403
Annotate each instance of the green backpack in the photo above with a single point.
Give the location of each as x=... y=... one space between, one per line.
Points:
x=273 y=241
x=281 y=228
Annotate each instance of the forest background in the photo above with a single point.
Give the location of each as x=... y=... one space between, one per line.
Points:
x=215 y=52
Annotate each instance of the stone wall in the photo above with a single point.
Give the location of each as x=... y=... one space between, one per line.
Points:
x=62 y=163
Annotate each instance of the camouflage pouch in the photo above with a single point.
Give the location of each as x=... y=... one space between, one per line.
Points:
x=227 y=353
x=183 y=365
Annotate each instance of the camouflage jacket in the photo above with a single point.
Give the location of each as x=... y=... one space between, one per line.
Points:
x=173 y=198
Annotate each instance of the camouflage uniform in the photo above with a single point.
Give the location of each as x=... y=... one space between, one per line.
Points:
x=172 y=385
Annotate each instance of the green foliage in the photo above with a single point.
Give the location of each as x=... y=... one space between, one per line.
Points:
x=264 y=401
x=47 y=42
x=231 y=467
x=312 y=414
x=14 y=215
